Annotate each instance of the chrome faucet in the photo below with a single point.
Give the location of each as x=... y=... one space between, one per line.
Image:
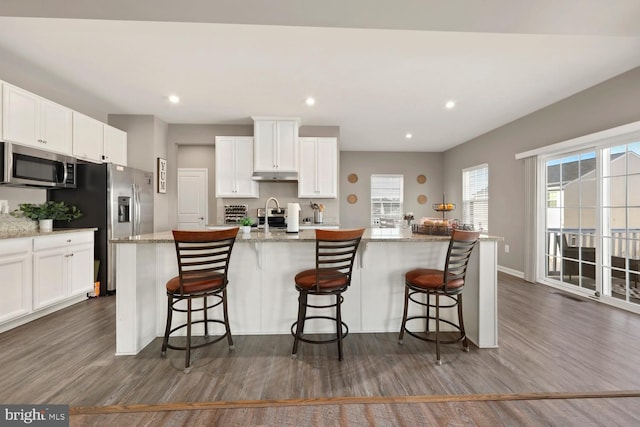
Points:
x=266 y=212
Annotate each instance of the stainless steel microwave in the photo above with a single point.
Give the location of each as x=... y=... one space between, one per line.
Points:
x=30 y=167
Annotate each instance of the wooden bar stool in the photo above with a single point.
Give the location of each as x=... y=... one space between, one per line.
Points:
x=447 y=283
x=335 y=253
x=203 y=263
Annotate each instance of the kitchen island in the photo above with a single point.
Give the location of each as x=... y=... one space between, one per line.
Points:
x=262 y=296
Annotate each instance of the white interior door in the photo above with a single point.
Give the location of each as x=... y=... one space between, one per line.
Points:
x=192 y=198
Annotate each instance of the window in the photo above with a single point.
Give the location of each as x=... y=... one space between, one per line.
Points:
x=386 y=198
x=475 y=197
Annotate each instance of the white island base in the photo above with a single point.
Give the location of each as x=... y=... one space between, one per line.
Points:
x=262 y=298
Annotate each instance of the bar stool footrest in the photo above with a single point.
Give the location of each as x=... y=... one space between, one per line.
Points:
x=429 y=339
x=345 y=331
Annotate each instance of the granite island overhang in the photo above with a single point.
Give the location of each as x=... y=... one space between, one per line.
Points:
x=261 y=294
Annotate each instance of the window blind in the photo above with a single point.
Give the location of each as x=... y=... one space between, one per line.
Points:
x=475 y=197
x=386 y=197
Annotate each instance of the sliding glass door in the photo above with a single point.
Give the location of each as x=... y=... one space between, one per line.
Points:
x=571 y=194
x=592 y=221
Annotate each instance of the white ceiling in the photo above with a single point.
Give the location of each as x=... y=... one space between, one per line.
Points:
x=377 y=73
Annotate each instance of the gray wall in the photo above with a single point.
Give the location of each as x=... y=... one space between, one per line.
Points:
x=609 y=104
x=146 y=141
x=193 y=147
x=364 y=164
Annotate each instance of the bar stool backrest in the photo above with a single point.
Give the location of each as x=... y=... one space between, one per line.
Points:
x=203 y=256
x=335 y=253
x=458 y=254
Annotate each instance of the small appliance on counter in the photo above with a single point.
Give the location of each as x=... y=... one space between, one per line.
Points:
x=293 y=217
x=277 y=218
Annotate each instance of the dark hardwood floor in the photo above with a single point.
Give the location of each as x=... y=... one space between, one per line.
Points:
x=562 y=361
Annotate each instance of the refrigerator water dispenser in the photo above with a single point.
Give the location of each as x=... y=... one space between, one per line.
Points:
x=124 y=211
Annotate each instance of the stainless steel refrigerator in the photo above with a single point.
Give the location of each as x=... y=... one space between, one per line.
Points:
x=118 y=200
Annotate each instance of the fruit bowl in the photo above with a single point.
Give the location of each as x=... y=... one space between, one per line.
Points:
x=443 y=207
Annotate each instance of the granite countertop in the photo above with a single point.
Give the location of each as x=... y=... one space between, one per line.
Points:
x=302 y=224
x=370 y=235
x=19 y=234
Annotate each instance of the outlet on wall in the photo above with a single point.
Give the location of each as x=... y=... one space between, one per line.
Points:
x=506 y=248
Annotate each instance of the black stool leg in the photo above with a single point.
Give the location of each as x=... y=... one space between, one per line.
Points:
x=438 y=361
x=165 y=341
x=426 y=329
x=187 y=367
x=404 y=315
x=465 y=343
x=339 y=325
x=226 y=319
x=206 y=323
x=302 y=311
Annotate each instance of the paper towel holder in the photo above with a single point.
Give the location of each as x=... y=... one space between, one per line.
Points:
x=293 y=217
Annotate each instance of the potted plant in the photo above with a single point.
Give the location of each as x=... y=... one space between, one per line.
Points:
x=246 y=224
x=46 y=212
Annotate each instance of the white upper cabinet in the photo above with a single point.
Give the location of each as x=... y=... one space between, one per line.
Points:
x=234 y=167
x=88 y=138
x=115 y=146
x=35 y=121
x=276 y=144
x=318 y=175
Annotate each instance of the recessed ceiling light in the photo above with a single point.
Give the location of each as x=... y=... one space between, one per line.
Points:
x=310 y=101
x=174 y=99
x=408 y=136
x=449 y=105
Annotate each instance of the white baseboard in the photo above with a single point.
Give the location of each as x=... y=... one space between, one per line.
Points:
x=42 y=312
x=512 y=272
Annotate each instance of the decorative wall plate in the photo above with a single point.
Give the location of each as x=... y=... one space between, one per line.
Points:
x=422 y=199
x=352 y=199
x=352 y=178
x=422 y=179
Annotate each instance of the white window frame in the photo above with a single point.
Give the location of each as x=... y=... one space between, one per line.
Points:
x=466 y=202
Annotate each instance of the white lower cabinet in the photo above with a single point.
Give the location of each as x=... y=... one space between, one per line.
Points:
x=15 y=278
x=42 y=274
x=62 y=267
x=49 y=277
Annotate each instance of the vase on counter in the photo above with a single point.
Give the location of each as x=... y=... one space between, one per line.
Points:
x=246 y=229
x=46 y=225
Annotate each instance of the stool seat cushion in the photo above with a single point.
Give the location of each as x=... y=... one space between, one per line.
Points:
x=197 y=283
x=329 y=279
x=429 y=278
